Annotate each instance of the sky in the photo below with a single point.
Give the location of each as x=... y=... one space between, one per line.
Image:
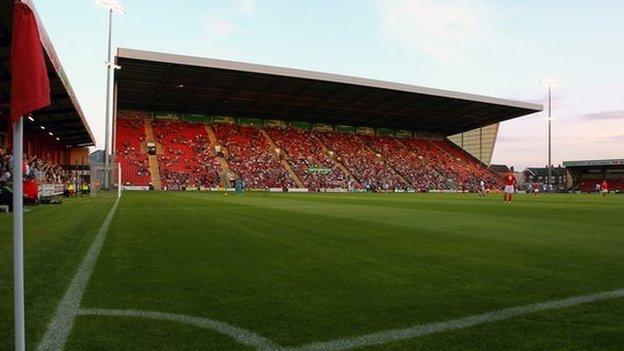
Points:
x=499 y=48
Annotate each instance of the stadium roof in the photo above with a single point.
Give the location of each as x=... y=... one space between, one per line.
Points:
x=154 y=81
x=64 y=117
x=594 y=163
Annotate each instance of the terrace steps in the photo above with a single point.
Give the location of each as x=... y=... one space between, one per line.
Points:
x=413 y=150
x=225 y=167
x=331 y=154
x=154 y=172
x=153 y=159
x=444 y=151
x=284 y=163
x=383 y=159
x=149 y=130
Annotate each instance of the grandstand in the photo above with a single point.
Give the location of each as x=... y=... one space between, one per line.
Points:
x=586 y=174
x=215 y=121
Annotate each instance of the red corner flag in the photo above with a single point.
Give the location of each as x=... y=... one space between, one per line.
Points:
x=30 y=87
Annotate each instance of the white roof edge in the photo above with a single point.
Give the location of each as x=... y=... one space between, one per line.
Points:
x=330 y=77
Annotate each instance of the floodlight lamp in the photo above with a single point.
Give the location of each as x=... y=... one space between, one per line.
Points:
x=113 y=5
x=551 y=82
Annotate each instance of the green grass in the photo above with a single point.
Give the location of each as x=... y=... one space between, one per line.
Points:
x=55 y=241
x=299 y=268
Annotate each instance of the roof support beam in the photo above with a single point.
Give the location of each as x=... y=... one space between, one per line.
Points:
x=163 y=82
x=320 y=101
x=388 y=105
x=294 y=97
x=198 y=87
x=225 y=97
x=261 y=95
x=359 y=97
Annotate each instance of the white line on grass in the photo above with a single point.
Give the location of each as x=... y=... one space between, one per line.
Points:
x=387 y=336
x=260 y=343
x=66 y=311
x=242 y=336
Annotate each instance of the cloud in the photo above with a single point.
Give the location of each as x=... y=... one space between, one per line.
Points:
x=217 y=26
x=611 y=139
x=247 y=7
x=605 y=115
x=444 y=29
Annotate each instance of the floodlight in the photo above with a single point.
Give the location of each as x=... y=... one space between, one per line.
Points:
x=112 y=5
x=551 y=82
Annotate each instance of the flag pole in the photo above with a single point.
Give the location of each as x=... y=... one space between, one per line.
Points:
x=30 y=91
x=18 y=235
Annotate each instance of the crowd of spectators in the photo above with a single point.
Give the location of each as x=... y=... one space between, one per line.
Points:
x=317 y=158
x=368 y=167
x=186 y=159
x=35 y=168
x=415 y=166
x=308 y=160
x=250 y=156
x=36 y=171
x=134 y=162
x=467 y=171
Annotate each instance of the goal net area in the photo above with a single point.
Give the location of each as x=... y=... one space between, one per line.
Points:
x=106 y=179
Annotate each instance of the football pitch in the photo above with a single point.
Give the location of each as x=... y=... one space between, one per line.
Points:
x=270 y=271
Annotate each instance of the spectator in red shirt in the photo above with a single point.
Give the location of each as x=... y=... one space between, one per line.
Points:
x=604 y=187
x=31 y=191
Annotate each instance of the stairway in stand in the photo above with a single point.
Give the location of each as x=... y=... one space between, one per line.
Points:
x=332 y=157
x=383 y=159
x=153 y=159
x=444 y=151
x=283 y=161
x=225 y=168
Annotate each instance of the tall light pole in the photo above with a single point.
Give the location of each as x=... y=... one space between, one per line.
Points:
x=549 y=83
x=112 y=6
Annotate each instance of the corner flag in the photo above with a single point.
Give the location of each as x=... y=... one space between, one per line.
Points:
x=30 y=91
x=30 y=87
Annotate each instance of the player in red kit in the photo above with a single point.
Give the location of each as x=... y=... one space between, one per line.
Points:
x=510 y=186
x=604 y=187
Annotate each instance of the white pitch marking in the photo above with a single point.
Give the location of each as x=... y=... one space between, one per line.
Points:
x=63 y=320
x=241 y=335
x=387 y=336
